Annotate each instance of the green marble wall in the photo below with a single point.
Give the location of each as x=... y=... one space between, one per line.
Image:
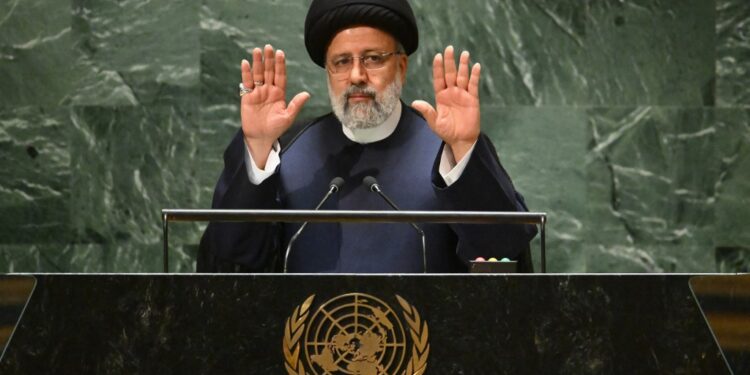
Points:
x=628 y=121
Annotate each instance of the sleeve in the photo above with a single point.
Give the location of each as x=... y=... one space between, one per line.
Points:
x=484 y=185
x=449 y=170
x=257 y=175
x=245 y=247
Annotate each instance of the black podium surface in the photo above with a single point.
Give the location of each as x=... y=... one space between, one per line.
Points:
x=331 y=324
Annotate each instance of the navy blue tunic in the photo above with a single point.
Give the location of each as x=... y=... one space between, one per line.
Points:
x=406 y=166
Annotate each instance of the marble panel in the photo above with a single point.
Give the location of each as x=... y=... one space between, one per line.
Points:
x=35 y=177
x=51 y=258
x=543 y=150
x=37 y=59
x=733 y=53
x=731 y=239
x=229 y=30
x=137 y=52
x=218 y=124
x=582 y=53
x=643 y=52
x=528 y=50
x=118 y=257
x=654 y=177
x=127 y=164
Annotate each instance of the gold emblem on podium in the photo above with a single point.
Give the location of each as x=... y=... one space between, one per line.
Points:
x=356 y=334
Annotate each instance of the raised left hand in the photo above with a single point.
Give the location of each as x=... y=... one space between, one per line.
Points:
x=456 y=118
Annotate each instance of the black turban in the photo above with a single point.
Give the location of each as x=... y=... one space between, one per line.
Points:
x=327 y=17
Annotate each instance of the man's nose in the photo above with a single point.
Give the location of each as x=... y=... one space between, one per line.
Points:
x=358 y=74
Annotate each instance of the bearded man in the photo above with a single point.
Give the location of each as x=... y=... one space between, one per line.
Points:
x=427 y=157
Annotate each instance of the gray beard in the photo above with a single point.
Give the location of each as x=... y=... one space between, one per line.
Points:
x=366 y=115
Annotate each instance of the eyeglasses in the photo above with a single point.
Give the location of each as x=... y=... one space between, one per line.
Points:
x=371 y=61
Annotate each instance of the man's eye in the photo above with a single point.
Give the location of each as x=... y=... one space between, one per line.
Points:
x=342 y=62
x=373 y=59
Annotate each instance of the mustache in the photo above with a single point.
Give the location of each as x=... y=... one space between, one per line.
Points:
x=360 y=90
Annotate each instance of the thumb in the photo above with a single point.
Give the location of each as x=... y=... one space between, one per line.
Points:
x=427 y=111
x=296 y=104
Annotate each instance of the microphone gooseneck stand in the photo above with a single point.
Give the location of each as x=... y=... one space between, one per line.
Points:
x=333 y=186
x=372 y=184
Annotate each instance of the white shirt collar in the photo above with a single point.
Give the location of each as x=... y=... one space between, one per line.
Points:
x=377 y=133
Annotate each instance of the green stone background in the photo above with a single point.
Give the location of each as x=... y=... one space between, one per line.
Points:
x=628 y=121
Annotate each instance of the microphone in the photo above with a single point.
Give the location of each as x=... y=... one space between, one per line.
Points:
x=372 y=184
x=333 y=186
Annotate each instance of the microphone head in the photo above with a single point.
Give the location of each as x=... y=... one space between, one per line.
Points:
x=370 y=182
x=337 y=183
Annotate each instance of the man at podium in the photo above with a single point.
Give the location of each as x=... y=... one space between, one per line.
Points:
x=425 y=156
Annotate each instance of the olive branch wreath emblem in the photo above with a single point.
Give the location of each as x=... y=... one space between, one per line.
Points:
x=295 y=326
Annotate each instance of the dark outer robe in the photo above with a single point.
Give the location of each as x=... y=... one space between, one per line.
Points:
x=406 y=167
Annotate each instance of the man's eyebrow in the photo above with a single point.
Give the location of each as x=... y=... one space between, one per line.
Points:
x=369 y=50
x=340 y=55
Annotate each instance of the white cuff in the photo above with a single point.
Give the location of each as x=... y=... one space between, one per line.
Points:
x=449 y=169
x=257 y=175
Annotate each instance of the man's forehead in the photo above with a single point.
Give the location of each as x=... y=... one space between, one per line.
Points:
x=360 y=38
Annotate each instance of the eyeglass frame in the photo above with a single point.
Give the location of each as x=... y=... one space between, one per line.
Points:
x=385 y=55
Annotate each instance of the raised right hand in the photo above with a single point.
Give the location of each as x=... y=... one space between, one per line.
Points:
x=264 y=111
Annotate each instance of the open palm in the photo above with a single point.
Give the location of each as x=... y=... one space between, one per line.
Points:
x=456 y=116
x=264 y=111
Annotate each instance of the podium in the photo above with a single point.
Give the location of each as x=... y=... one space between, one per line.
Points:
x=339 y=324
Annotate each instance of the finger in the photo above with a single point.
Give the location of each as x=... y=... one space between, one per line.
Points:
x=280 y=71
x=427 y=111
x=438 y=73
x=269 y=62
x=247 y=75
x=257 y=66
x=296 y=104
x=474 y=81
x=462 y=80
x=450 y=67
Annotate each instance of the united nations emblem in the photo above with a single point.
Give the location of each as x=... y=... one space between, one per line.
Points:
x=355 y=334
